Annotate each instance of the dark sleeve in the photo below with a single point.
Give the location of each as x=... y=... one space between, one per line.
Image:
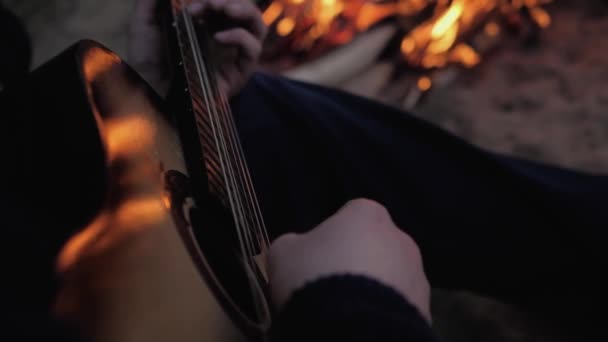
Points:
x=349 y=308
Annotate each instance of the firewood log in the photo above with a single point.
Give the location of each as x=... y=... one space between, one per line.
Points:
x=339 y=65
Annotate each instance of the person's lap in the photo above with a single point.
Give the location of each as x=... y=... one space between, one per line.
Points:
x=501 y=226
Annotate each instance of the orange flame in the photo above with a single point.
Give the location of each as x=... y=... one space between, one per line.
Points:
x=285 y=26
x=424 y=83
x=433 y=43
x=437 y=42
x=447 y=21
x=313 y=20
x=272 y=13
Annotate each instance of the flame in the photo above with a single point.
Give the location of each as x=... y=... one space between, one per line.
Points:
x=272 y=12
x=424 y=83
x=327 y=11
x=315 y=18
x=408 y=45
x=492 y=29
x=371 y=13
x=329 y=19
x=438 y=41
x=285 y=26
x=447 y=21
x=434 y=61
x=465 y=55
x=433 y=43
x=542 y=18
x=444 y=41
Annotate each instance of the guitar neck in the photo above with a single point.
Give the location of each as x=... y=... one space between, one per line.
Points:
x=220 y=182
x=194 y=65
x=208 y=126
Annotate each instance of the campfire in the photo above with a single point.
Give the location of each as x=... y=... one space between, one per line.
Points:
x=431 y=35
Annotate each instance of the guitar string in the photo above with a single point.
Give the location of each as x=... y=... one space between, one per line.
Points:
x=232 y=175
x=245 y=177
x=227 y=148
x=231 y=149
x=230 y=182
x=203 y=79
x=259 y=218
x=249 y=213
x=260 y=304
x=232 y=155
x=211 y=85
x=253 y=206
x=253 y=212
x=257 y=301
x=252 y=215
x=189 y=29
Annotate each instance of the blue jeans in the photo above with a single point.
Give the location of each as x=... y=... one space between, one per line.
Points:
x=520 y=231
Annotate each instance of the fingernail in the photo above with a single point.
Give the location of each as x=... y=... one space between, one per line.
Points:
x=195 y=7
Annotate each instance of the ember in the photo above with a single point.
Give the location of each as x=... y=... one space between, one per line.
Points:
x=439 y=32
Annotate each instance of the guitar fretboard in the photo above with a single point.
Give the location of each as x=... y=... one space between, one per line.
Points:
x=228 y=177
x=203 y=101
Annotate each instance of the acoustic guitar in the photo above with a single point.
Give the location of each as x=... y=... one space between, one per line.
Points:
x=151 y=223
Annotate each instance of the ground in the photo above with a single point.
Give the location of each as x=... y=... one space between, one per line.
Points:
x=547 y=102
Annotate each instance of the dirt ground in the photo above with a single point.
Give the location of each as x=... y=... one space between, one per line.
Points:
x=547 y=103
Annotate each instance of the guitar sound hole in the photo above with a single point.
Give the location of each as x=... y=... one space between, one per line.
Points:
x=212 y=241
x=220 y=250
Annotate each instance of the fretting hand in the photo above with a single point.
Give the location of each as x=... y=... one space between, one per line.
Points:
x=241 y=44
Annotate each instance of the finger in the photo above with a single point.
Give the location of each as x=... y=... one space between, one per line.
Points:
x=243 y=11
x=247 y=12
x=247 y=42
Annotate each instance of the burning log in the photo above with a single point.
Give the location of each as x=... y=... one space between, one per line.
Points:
x=478 y=37
x=371 y=82
x=350 y=59
x=305 y=30
x=437 y=34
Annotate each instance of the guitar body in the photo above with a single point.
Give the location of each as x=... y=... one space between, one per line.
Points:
x=110 y=178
